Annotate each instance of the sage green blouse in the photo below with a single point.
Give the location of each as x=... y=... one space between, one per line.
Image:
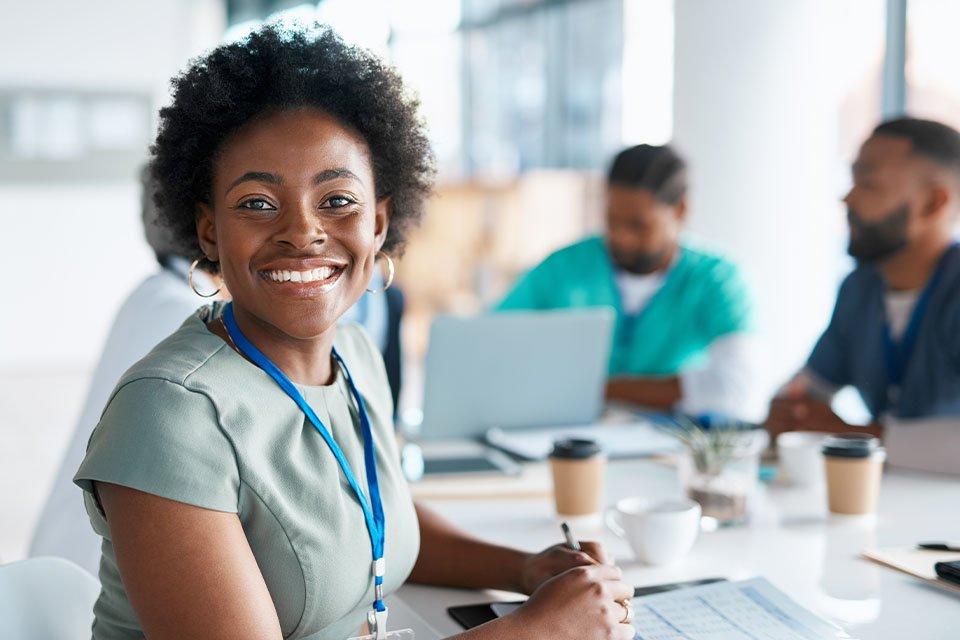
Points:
x=196 y=422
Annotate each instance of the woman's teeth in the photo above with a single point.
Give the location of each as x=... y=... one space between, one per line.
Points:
x=313 y=275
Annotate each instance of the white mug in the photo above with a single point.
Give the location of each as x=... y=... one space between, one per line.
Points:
x=659 y=533
x=801 y=458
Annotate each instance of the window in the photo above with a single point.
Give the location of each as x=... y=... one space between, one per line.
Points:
x=69 y=134
x=542 y=84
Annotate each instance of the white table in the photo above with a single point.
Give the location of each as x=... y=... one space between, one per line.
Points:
x=792 y=542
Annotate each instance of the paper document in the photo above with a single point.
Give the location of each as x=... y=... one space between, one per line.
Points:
x=630 y=440
x=747 y=610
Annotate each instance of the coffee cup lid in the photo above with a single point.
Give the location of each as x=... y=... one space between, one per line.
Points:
x=575 y=449
x=851 y=445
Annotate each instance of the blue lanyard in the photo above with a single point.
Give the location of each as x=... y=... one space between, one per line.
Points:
x=376 y=526
x=897 y=355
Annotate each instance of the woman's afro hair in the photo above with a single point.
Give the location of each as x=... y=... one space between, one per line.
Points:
x=274 y=69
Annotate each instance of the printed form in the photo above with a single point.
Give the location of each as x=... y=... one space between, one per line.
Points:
x=746 y=610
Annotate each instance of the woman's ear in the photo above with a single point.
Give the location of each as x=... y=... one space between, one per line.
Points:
x=207 y=233
x=382 y=220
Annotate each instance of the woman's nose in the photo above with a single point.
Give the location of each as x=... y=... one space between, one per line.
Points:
x=302 y=226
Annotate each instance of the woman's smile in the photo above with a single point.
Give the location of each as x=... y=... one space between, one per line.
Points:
x=302 y=277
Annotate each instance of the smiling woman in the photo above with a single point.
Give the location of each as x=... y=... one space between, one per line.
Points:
x=294 y=223
x=244 y=475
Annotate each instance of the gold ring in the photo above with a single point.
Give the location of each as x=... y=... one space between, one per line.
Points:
x=627 y=611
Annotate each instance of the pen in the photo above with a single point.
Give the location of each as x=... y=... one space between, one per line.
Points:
x=940 y=546
x=568 y=536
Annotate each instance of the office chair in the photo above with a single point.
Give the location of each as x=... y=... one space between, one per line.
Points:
x=46 y=599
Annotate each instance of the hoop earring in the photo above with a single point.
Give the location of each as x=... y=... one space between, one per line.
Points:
x=391 y=273
x=193 y=266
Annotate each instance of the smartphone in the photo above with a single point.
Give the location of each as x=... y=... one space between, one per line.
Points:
x=949 y=571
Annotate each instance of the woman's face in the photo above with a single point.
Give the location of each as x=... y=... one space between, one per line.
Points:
x=294 y=221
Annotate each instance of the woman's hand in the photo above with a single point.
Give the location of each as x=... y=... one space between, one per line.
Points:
x=579 y=604
x=553 y=561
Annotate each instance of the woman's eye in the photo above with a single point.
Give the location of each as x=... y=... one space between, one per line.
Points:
x=337 y=202
x=256 y=204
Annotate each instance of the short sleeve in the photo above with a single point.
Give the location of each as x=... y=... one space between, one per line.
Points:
x=161 y=438
x=730 y=306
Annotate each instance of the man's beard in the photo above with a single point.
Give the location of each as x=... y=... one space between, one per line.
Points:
x=876 y=241
x=640 y=264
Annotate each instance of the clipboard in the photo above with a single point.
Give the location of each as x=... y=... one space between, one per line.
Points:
x=917 y=563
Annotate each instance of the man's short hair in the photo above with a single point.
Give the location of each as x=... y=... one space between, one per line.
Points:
x=928 y=139
x=659 y=170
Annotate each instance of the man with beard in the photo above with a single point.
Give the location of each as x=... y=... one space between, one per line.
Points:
x=682 y=338
x=895 y=330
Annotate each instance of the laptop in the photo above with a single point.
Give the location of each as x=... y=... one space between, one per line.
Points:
x=510 y=370
x=923 y=444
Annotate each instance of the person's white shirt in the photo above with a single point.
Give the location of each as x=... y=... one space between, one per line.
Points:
x=154 y=310
x=899 y=307
x=727 y=383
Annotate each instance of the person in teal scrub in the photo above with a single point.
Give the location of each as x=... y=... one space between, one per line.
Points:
x=683 y=337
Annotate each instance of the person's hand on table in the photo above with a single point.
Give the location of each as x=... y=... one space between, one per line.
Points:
x=783 y=416
x=792 y=413
x=579 y=604
x=554 y=560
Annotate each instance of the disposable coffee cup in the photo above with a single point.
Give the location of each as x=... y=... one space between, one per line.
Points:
x=578 y=468
x=854 y=465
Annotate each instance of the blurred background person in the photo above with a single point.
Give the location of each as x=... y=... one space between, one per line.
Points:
x=380 y=311
x=895 y=331
x=152 y=311
x=683 y=335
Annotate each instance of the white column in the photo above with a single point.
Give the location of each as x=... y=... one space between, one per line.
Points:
x=771 y=100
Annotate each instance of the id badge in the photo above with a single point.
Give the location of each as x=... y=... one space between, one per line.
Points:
x=402 y=634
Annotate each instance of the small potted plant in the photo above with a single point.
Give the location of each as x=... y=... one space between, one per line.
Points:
x=720 y=466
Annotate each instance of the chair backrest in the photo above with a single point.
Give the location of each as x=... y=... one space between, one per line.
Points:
x=46 y=599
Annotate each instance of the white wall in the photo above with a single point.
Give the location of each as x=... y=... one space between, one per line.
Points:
x=72 y=252
x=108 y=43
x=768 y=97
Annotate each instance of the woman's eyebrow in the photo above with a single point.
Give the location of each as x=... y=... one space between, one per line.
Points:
x=333 y=174
x=272 y=178
x=256 y=176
